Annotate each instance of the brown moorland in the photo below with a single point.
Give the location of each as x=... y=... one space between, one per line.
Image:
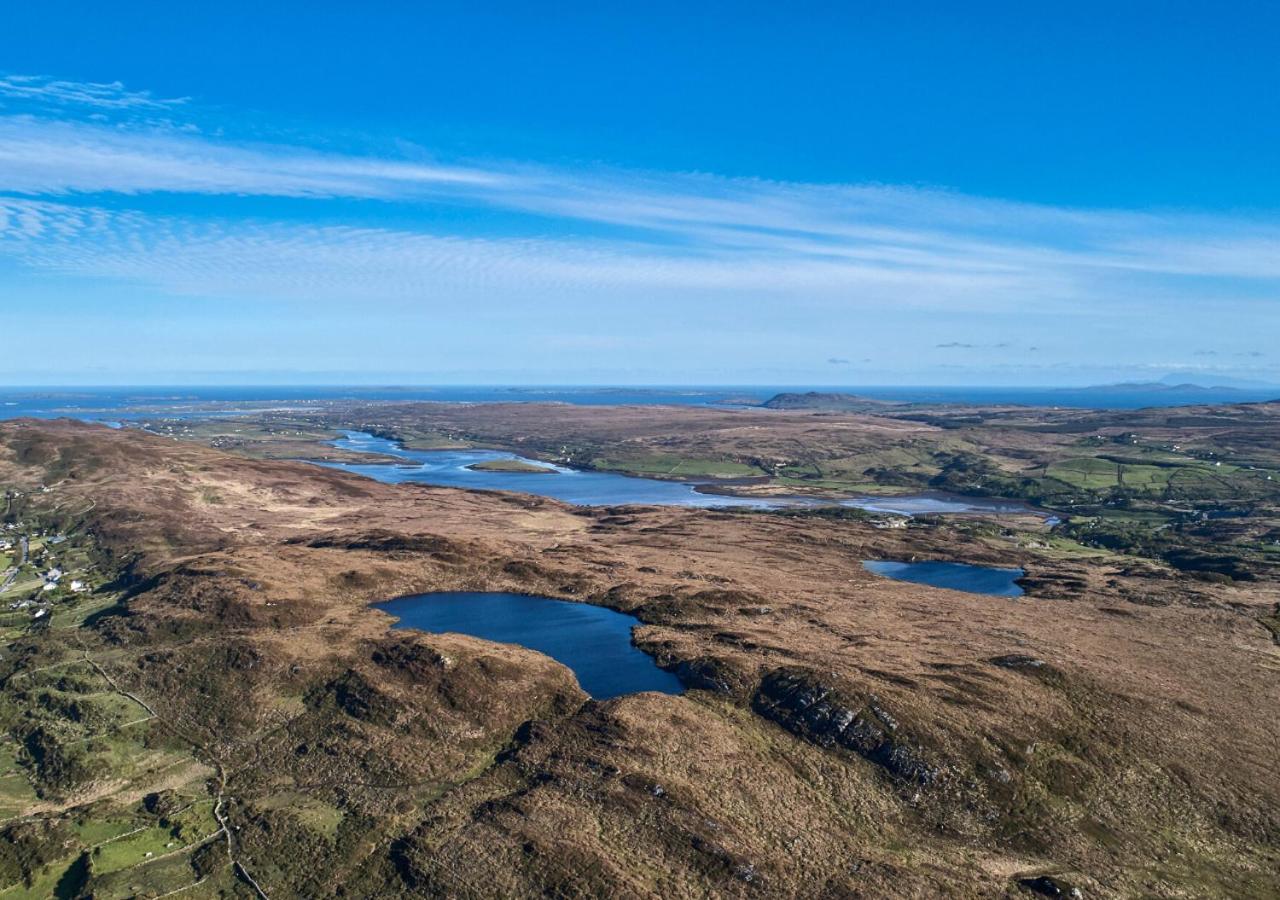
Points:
x=843 y=735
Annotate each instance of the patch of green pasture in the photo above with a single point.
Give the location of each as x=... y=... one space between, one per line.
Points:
x=678 y=466
x=22 y=588
x=511 y=465
x=92 y=830
x=45 y=884
x=1066 y=548
x=1086 y=473
x=195 y=823
x=848 y=487
x=133 y=849
x=1188 y=476
x=154 y=877
x=73 y=615
x=122 y=754
x=8 y=757
x=16 y=794
x=432 y=440
x=1146 y=478
x=321 y=817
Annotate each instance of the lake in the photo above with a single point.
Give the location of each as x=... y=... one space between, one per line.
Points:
x=593 y=641
x=450 y=468
x=952 y=575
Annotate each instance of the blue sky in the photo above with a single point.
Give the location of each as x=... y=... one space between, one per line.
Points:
x=798 y=193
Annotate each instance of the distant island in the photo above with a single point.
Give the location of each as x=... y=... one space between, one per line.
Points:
x=511 y=465
x=823 y=400
x=1156 y=387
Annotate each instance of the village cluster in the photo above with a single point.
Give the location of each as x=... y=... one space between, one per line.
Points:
x=33 y=573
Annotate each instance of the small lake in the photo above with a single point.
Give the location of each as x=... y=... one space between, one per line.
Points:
x=952 y=575
x=451 y=468
x=593 y=641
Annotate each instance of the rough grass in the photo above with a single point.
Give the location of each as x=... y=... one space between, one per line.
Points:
x=132 y=849
x=511 y=465
x=675 y=466
x=323 y=818
x=1184 y=478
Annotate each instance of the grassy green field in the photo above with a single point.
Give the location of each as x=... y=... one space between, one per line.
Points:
x=16 y=793
x=432 y=440
x=511 y=465
x=678 y=467
x=1086 y=473
x=320 y=817
x=1188 y=477
x=132 y=848
x=846 y=486
x=95 y=751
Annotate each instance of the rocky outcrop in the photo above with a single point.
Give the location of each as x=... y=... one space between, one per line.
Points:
x=388 y=542
x=1017 y=661
x=1050 y=886
x=799 y=701
x=352 y=693
x=709 y=673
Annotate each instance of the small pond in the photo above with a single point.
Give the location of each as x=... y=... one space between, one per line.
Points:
x=593 y=641
x=952 y=575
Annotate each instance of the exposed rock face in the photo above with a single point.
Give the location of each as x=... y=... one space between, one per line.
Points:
x=711 y=674
x=410 y=658
x=1017 y=661
x=354 y=695
x=800 y=702
x=387 y=542
x=1049 y=886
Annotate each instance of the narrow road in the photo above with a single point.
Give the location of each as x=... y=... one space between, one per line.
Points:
x=12 y=572
x=225 y=827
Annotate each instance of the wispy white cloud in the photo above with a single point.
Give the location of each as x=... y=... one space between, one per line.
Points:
x=674 y=245
x=341 y=263
x=43 y=157
x=101 y=95
x=885 y=226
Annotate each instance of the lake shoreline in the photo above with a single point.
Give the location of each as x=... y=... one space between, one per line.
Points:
x=707 y=489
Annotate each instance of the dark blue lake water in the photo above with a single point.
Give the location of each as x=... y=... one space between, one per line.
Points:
x=955 y=576
x=449 y=468
x=593 y=641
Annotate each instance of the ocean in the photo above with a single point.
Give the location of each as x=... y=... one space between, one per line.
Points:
x=116 y=403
